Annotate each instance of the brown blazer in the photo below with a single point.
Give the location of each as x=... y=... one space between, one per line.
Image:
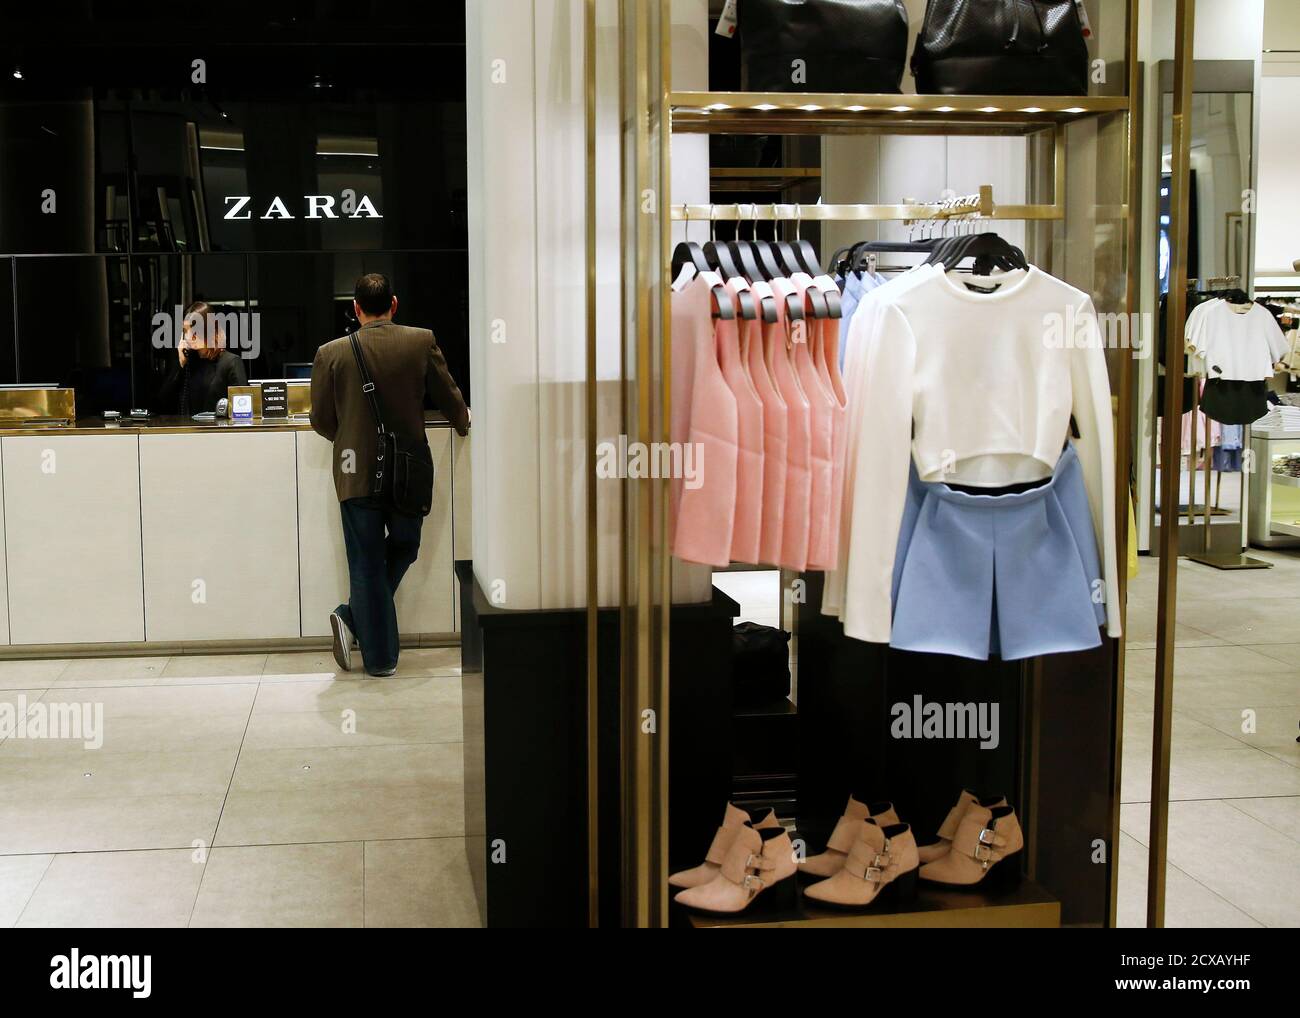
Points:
x=407 y=368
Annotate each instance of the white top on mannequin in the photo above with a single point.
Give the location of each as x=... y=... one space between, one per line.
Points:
x=1236 y=345
x=978 y=389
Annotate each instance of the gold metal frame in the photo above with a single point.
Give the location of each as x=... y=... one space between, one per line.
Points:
x=593 y=542
x=1171 y=453
x=645 y=659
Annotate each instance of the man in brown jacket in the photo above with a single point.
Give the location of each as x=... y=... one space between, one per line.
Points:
x=408 y=370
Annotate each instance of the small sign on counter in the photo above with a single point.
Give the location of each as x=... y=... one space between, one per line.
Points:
x=241 y=406
x=275 y=399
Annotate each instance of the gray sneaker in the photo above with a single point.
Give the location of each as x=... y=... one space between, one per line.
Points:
x=342 y=641
x=384 y=674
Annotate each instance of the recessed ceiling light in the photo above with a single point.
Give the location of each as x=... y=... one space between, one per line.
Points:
x=717 y=106
x=764 y=106
x=810 y=107
x=901 y=109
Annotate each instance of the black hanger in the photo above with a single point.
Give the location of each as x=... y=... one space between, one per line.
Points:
x=742 y=251
x=689 y=252
x=989 y=250
x=720 y=258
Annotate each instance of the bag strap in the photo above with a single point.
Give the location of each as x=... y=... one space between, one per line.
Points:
x=367 y=385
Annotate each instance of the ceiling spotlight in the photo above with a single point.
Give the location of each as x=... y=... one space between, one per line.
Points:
x=18 y=73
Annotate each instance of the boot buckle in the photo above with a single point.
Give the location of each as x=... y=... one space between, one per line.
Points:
x=752 y=883
x=873 y=874
x=882 y=860
x=984 y=854
x=992 y=836
x=753 y=862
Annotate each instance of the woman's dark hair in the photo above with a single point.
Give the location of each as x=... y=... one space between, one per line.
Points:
x=205 y=321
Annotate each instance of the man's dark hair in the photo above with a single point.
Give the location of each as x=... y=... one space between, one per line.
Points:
x=374 y=293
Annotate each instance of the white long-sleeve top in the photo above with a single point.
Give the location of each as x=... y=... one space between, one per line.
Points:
x=861 y=326
x=977 y=389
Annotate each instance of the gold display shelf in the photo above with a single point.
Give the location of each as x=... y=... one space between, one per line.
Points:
x=761 y=178
x=829 y=113
x=1027 y=905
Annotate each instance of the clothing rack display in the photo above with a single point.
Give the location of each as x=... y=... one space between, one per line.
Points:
x=1225 y=359
x=935 y=225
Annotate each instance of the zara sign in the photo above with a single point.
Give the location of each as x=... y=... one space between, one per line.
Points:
x=319 y=206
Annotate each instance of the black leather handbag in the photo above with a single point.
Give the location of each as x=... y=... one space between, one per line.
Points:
x=403 y=474
x=822 y=45
x=1001 y=47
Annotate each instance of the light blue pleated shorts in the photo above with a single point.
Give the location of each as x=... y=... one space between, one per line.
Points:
x=1012 y=575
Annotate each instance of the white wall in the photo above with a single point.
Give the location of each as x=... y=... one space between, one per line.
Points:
x=527 y=209
x=1277 y=236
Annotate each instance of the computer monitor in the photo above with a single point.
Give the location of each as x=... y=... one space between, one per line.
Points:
x=297 y=369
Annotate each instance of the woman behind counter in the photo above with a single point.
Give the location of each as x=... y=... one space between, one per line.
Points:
x=206 y=368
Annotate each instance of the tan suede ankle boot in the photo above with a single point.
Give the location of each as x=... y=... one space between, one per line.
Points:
x=845 y=834
x=879 y=857
x=732 y=820
x=756 y=862
x=984 y=837
x=948 y=829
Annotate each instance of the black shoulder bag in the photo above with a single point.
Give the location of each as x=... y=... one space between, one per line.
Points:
x=1001 y=47
x=403 y=474
x=822 y=45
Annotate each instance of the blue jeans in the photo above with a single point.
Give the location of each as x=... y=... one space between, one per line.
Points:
x=377 y=561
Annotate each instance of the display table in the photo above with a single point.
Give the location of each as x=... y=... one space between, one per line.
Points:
x=1274 y=519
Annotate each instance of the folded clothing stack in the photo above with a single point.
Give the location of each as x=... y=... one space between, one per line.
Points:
x=1281 y=418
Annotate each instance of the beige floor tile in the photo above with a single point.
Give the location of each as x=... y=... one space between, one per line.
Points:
x=383 y=694
x=205 y=666
x=1289 y=754
x=90 y=671
x=1246 y=620
x=1188 y=903
x=429 y=661
x=1288 y=653
x=116 y=890
x=1239 y=690
x=1257 y=873
x=1191 y=662
x=1270 y=727
x=368 y=727
x=424 y=883
x=316 y=769
x=283 y=886
x=34 y=673
x=1211 y=774
x=107 y=824
x=161 y=701
x=434 y=810
x=19 y=875
x=95 y=774
x=318 y=662
x=1282 y=813
x=160 y=734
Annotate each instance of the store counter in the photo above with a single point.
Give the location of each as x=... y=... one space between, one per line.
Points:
x=173 y=531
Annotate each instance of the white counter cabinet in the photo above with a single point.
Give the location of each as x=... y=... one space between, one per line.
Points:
x=219 y=514
x=72 y=531
x=199 y=537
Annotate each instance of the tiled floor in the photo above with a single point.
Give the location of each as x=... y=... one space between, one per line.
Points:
x=261 y=789
x=237 y=790
x=1234 y=813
